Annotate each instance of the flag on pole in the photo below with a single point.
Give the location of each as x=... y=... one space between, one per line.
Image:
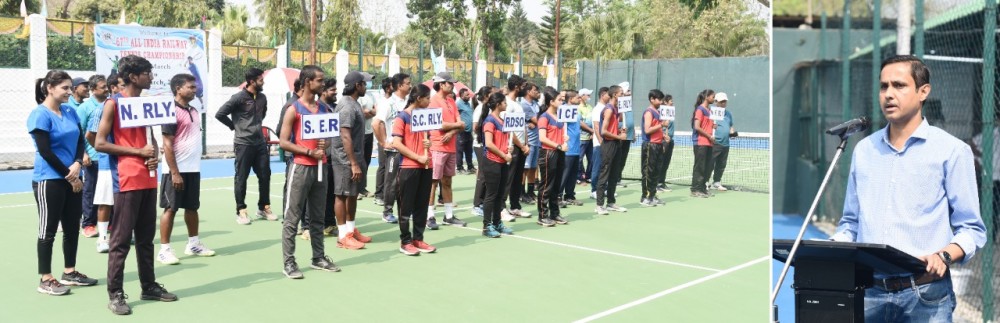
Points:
x=45 y=10
x=24 y=9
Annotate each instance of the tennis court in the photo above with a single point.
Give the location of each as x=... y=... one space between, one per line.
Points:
x=691 y=260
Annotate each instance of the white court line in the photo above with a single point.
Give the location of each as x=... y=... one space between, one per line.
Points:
x=670 y=291
x=736 y=170
x=13 y=206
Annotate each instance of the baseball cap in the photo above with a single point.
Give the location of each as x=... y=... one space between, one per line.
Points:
x=586 y=91
x=443 y=77
x=721 y=96
x=356 y=77
x=624 y=85
x=79 y=80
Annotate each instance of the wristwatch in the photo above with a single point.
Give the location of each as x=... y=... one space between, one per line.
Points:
x=946 y=257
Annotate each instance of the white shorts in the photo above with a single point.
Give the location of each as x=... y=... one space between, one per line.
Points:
x=104 y=194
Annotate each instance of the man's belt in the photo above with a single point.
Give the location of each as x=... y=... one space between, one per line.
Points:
x=895 y=284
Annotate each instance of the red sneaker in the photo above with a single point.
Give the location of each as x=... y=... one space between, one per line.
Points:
x=89 y=231
x=409 y=250
x=349 y=242
x=360 y=237
x=423 y=246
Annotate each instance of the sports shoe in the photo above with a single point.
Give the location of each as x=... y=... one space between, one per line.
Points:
x=379 y=202
x=520 y=213
x=616 y=208
x=574 y=202
x=360 y=237
x=52 y=287
x=241 y=217
x=699 y=195
x=490 y=232
x=198 y=249
x=656 y=201
x=506 y=216
x=324 y=264
x=454 y=221
x=593 y=195
x=156 y=292
x=477 y=211
x=546 y=222
x=423 y=246
x=102 y=245
x=76 y=278
x=718 y=186
x=305 y=235
x=504 y=229
x=408 y=249
x=563 y=204
x=389 y=218
x=432 y=223
x=266 y=214
x=89 y=231
x=559 y=220
x=118 y=305
x=292 y=271
x=350 y=243
x=646 y=202
x=600 y=210
x=167 y=257
x=330 y=230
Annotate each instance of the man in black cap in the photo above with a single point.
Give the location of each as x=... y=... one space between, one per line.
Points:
x=81 y=91
x=346 y=153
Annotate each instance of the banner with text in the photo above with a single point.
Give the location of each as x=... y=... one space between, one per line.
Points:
x=320 y=126
x=426 y=119
x=171 y=51
x=146 y=111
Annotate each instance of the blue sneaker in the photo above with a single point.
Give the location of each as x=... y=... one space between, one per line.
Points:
x=389 y=218
x=477 y=211
x=491 y=232
x=504 y=229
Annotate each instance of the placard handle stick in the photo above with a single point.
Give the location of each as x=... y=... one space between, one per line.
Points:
x=149 y=141
x=427 y=150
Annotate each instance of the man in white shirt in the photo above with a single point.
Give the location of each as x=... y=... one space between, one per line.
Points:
x=388 y=159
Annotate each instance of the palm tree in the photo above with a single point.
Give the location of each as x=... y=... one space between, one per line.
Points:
x=613 y=35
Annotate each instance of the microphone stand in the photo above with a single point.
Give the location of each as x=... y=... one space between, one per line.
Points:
x=805 y=223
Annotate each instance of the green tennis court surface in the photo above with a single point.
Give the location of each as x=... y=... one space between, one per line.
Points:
x=692 y=260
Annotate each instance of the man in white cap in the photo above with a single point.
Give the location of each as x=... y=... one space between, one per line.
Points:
x=444 y=149
x=586 y=135
x=720 y=151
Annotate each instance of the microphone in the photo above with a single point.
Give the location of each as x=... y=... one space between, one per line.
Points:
x=850 y=127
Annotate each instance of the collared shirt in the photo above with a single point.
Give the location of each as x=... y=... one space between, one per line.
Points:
x=917 y=199
x=531 y=110
x=83 y=112
x=722 y=128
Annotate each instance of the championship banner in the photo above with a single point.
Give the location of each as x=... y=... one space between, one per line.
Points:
x=171 y=51
x=426 y=119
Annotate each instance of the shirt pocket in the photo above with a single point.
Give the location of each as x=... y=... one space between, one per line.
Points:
x=921 y=186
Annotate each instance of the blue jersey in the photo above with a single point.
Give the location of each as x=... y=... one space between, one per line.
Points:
x=64 y=134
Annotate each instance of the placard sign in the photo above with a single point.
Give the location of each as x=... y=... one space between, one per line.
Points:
x=625 y=104
x=567 y=113
x=718 y=113
x=146 y=111
x=426 y=119
x=667 y=112
x=320 y=126
x=513 y=122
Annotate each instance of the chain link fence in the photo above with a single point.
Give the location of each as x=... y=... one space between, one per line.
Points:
x=14 y=49
x=71 y=45
x=959 y=47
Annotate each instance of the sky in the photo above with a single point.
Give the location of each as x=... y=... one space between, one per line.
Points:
x=390 y=17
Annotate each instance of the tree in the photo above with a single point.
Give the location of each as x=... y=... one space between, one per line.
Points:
x=490 y=17
x=548 y=28
x=522 y=34
x=160 y=13
x=434 y=17
x=12 y=8
x=341 y=25
x=236 y=30
x=618 y=34
x=89 y=10
x=279 y=15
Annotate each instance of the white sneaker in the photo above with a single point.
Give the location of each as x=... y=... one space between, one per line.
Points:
x=593 y=195
x=718 y=186
x=167 y=257
x=646 y=202
x=519 y=213
x=102 y=245
x=242 y=218
x=198 y=249
x=616 y=208
x=506 y=216
x=601 y=210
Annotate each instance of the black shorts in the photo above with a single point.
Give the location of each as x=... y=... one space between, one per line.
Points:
x=188 y=198
x=342 y=183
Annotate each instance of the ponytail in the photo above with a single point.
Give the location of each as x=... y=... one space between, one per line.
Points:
x=52 y=78
x=494 y=100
